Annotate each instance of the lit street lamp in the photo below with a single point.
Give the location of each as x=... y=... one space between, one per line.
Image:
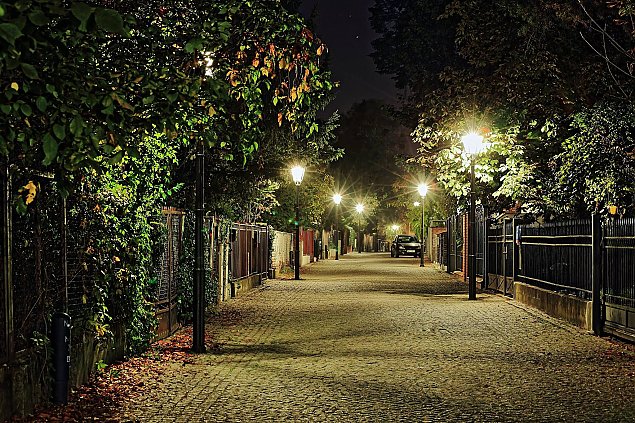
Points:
x=298 y=174
x=337 y=199
x=360 y=209
x=423 y=190
x=473 y=144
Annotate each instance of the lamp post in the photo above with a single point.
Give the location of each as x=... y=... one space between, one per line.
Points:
x=360 y=209
x=423 y=190
x=337 y=199
x=473 y=144
x=297 y=172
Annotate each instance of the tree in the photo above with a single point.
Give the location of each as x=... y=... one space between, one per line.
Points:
x=514 y=71
x=110 y=104
x=373 y=140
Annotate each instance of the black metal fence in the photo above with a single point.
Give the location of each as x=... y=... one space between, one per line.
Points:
x=441 y=242
x=480 y=227
x=619 y=274
x=500 y=257
x=455 y=243
x=557 y=256
x=570 y=257
x=167 y=289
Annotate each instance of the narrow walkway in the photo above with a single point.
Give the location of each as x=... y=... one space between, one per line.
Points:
x=370 y=338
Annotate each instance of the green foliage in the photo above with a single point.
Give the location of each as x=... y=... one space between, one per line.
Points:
x=596 y=168
x=519 y=73
x=124 y=236
x=109 y=104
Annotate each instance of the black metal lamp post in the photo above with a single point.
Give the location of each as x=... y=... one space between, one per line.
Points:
x=298 y=174
x=360 y=209
x=473 y=144
x=423 y=190
x=198 y=288
x=337 y=199
x=198 y=324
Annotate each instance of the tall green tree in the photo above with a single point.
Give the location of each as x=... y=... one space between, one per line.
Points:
x=517 y=72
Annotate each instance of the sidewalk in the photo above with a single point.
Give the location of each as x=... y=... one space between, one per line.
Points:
x=369 y=338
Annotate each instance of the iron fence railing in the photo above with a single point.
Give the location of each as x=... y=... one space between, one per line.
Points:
x=619 y=262
x=500 y=257
x=557 y=256
x=480 y=228
x=441 y=241
x=455 y=243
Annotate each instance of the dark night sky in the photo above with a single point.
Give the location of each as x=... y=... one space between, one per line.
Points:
x=344 y=26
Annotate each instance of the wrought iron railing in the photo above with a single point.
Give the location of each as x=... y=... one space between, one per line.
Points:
x=619 y=262
x=557 y=256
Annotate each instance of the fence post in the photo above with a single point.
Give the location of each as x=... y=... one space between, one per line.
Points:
x=7 y=261
x=447 y=245
x=485 y=281
x=596 y=277
x=514 y=250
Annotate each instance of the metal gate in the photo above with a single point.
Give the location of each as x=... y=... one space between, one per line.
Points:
x=166 y=304
x=441 y=241
x=480 y=227
x=500 y=260
x=455 y=243
x=619 y=276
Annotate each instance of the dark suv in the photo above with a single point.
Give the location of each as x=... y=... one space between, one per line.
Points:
x=404 y=245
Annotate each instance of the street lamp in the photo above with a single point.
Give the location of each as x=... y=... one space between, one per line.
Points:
x=423 y=190
x=337 y=199
x=473 y=144
x=360 y=209
x=297 y=172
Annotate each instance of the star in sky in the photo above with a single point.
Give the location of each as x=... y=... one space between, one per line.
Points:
x=348 y=34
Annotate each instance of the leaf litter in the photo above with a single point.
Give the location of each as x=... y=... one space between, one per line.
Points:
x=102 y=397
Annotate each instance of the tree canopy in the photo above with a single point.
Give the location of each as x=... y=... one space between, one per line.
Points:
x=523 y=74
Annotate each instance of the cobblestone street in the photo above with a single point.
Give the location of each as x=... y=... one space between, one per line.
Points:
x=370 y=338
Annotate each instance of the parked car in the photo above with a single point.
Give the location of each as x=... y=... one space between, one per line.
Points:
x=405 y=245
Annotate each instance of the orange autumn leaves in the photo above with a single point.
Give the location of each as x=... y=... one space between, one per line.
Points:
x=288 y=68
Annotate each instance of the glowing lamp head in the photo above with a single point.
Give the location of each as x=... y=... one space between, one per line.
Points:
x=423 y=189
x=472 y=143
x=395 y=227
x=337 y=199
x=359 y=207
x=298 y=174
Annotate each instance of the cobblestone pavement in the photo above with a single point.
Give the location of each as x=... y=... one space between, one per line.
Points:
x=370 y=338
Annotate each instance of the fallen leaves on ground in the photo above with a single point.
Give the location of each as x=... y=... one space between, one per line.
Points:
x=103 y=396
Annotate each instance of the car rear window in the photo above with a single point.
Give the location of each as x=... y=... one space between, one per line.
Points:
x=407 y=239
